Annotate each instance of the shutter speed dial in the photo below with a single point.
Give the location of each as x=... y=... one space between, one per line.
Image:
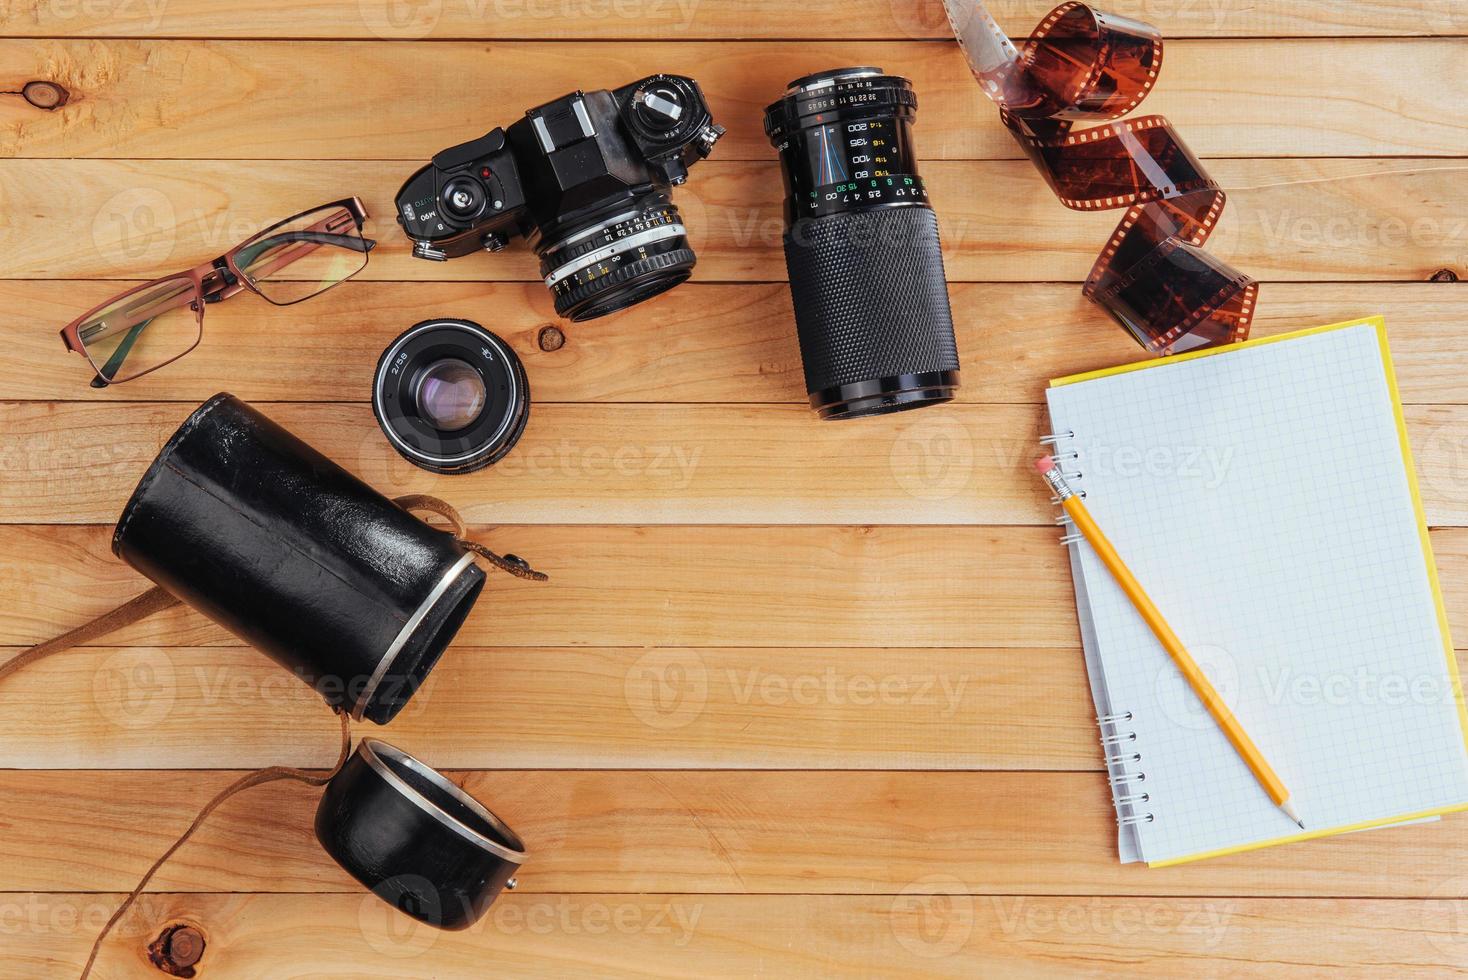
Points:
x=660 y=110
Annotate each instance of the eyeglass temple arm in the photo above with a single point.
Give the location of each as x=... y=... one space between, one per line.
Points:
x=108 y=371
x=308 y=241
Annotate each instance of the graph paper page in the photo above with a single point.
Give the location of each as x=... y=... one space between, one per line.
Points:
x=1261 y=497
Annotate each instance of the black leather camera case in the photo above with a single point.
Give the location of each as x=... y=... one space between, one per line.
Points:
x=288 y=551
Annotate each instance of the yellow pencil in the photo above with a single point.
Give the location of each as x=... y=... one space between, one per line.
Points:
x=1204 y=688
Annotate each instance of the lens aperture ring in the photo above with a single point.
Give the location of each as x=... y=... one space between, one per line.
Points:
x=618 y=263
x=647 y=224
x=594 y=295
x=597 y=265
x=896 y=191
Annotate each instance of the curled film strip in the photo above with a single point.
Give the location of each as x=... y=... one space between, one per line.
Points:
x=1118 y=743
x=1153 y=276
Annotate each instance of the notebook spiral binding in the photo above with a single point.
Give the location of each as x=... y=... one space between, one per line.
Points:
x=1072 y=476
x=1061 y=457
x=1126 y=792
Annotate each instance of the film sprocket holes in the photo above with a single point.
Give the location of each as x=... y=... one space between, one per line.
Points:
x=861 y=246
x=1153 y=276
x=450 y=396
x=587 y=180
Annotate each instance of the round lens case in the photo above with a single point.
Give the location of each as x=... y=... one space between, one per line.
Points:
x=249 y=525
x=417 y=840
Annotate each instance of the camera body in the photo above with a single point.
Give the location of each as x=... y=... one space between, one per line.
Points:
x=586 y=179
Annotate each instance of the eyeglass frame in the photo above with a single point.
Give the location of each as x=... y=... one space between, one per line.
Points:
x=215 y=281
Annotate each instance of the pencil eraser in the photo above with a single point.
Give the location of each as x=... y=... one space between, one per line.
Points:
x=1045 y=464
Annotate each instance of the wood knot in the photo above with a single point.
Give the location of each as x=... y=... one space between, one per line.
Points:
x=177 y=949
x=551 y=338
x=45 y=95
x=1443 y=275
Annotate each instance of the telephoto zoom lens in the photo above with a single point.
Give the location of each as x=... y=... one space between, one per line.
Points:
x=861 y=246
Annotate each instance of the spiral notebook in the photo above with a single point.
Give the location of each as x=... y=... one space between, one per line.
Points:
x=1264 y=495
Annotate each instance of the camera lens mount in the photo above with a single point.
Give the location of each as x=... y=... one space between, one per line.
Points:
x=450 y=396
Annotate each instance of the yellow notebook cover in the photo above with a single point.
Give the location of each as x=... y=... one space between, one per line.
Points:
x=1309 y=377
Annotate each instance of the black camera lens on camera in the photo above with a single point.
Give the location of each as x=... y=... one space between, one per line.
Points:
x=861 y=246
x=619 y=262
x=450 y=396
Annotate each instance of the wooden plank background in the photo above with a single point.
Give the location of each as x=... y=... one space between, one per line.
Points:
x=799 y=699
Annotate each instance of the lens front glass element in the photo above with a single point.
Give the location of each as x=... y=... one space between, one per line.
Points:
x=450 y=395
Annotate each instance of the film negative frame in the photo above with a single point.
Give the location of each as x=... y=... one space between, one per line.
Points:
x=1153 y=277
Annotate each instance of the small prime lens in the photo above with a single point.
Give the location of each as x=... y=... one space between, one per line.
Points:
x=861 y=246
x=450 y=396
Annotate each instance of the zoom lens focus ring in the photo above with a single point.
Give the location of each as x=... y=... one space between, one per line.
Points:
x=871 y=308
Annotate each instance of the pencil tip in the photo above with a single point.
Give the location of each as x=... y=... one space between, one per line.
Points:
x=1301 y=823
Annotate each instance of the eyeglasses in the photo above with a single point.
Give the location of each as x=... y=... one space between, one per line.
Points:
x=160 y=321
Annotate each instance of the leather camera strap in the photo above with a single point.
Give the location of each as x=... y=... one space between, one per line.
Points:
x=260 y=776
x=139 y=607
x=513 y=564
